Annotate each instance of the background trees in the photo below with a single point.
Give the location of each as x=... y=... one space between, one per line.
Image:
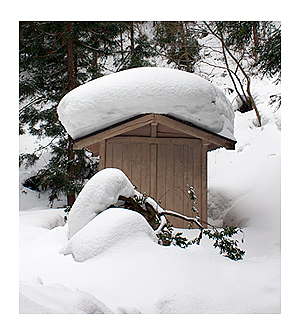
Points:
x=242 y=44
x=56 y=57
x=178 y=42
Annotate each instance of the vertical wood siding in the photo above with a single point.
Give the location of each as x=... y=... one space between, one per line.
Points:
x=163 y=168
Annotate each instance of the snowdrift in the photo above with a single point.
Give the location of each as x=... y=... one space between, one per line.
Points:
x=107 y=100
x=112 y=228
x=35 y=297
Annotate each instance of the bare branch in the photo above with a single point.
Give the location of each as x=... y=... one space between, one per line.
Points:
x=224 y=46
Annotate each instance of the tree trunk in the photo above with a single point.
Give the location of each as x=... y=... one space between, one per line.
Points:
x=188 y=65
x=121 y=45
x=131 y=41
x=71 y=174
x=253 y=103
x=221 y=39
x=255 y=38
x=70 y=60
x=70 y=86
x=132 y=36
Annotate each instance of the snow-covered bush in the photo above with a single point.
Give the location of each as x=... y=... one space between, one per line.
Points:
x=100 y=192
x=94 y=227
x=111 y=228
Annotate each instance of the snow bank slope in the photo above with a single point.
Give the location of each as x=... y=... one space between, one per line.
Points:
x=36 y=298
x=113 y=98
x=48 y=218
x=110 y=228
x=101 y=191
x=245 y=184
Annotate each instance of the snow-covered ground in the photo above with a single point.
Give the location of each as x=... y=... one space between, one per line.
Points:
x=136 y=275
x=142 y=277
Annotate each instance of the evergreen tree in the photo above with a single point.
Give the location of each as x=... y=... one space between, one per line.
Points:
x=260 y=41
x=268 y=62
x=177 y=42
x=136 y=48
x=55 y=57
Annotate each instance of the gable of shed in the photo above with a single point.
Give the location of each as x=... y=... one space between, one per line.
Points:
x=165 y=126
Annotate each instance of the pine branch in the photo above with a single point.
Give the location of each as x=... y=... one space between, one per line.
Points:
x=31 y=102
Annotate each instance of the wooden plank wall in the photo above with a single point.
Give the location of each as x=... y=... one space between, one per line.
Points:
x=163 y=168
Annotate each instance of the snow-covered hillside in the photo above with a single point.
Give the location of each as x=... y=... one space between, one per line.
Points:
x=137 y=275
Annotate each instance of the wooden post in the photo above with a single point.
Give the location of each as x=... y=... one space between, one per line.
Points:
x=102 y=155
x=204 y=181
x=153 y=162
x=154 y=129
x=153 y=170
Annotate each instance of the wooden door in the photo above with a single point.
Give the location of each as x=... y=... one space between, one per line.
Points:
x=163 y=168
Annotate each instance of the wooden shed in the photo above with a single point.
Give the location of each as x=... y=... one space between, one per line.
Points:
x=161 y=154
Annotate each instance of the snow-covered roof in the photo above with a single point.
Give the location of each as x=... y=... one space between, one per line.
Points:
x=117 y=97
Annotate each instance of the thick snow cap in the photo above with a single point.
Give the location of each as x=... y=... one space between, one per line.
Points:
x=107 y=100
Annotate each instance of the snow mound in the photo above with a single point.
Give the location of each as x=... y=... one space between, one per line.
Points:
x=48 y=219
x=105 y=101
x=35 y=298
x=113 y=227
x=100 y=192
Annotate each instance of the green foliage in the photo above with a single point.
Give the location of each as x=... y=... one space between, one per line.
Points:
x=179 y=43
x=275 y=99
x=55 y=174
x=137 y=52
x=237 y=35
x=167 y=237
x=28 y=159
x=44 y=80
x=258 y=40
x=34 y=183
x=269 y=60
x=228 y=247
x=194 y=199
x=43 y=66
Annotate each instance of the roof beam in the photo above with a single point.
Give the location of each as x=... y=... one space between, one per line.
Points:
x=115 y=131
x=143 y=120
x=195 y=131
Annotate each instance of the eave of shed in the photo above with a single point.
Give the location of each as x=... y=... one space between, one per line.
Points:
x=213 y=140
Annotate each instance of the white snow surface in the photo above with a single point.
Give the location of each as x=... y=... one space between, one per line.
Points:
x=29 y=199
x=132 y=274
x=101 y=191
x=116 y=97
x=110 y=229
x=56 y=298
